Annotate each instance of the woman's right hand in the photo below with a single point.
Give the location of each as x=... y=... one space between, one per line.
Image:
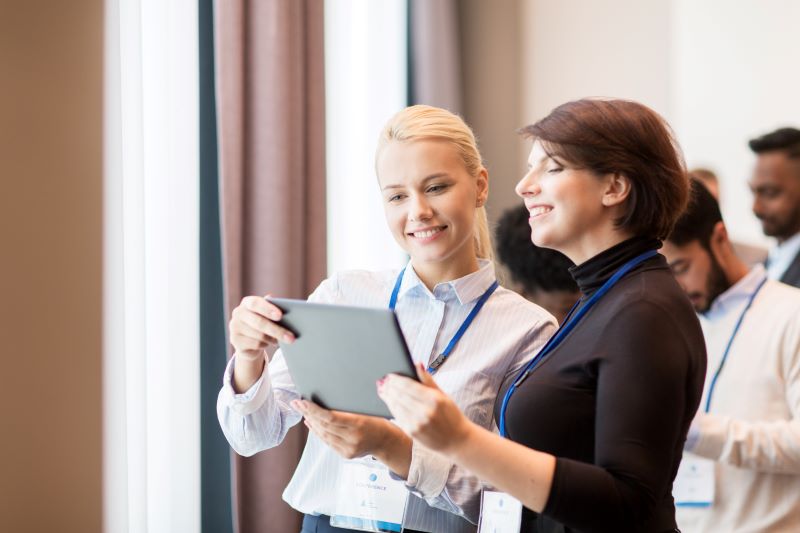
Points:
x=253 y=327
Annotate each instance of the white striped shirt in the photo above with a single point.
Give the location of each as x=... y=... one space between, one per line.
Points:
x=506 y=333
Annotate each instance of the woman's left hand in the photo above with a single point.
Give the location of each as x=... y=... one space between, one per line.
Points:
x=426 y=413
x=350 y=435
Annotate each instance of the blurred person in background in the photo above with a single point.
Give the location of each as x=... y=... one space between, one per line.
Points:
x=776 y=199
x=741 y=469
x=708 y=178
x=539 y=274
x=749 y=253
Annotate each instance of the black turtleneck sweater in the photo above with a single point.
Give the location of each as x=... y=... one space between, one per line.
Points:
x=614 y=401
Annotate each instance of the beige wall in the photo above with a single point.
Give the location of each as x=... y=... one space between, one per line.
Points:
x=718 y=72
x=490 y=41
x=50 y=271
x=524 y=57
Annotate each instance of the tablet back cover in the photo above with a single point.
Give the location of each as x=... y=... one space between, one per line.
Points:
x=341 y=351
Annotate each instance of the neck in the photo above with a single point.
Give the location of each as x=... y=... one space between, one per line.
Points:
x=433 y=273
x=592 y=244
x=734 y=268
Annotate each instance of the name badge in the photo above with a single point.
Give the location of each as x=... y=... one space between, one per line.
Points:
x=500 y=513
x=368 y=499
x=694 y=484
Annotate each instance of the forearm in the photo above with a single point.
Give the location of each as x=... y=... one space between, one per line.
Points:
x=522 y=472
x=768 y=446
x=395 y=451
x=246 y=371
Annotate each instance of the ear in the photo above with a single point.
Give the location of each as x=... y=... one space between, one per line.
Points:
x=618 y=188
x=718 y=242
x=483 y=187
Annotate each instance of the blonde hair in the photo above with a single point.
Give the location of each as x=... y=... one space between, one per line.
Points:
x=423 y=122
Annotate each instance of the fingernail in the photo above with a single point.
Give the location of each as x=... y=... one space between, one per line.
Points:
x=288 y=337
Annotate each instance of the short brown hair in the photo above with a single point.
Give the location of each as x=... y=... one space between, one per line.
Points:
x=626 y=138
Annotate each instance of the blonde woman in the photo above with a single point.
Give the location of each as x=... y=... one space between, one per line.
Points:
x=433 y=187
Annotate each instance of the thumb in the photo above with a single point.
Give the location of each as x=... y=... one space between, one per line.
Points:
x=425 y=376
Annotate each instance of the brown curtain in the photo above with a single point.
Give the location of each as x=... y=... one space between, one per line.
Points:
x=270 y=107
x=435 y=62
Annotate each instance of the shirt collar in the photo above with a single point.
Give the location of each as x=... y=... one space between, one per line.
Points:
x=739 y=291
x=466 y=289
x=787 y=250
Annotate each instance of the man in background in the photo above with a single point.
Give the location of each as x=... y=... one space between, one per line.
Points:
x=776 y=200
x=750 y=254
x=539 y=274
x=741 y=464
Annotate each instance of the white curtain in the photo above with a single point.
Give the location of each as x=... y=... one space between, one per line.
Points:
x=151 y=293
x=365 y=83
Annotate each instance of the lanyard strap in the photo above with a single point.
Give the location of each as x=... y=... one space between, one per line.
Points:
x=569 y=324
x=730 y=343
x=440 y=359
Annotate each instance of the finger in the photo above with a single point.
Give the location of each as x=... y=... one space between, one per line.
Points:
x=248 y=345
x=309 y=408
x=245 y=330
x=425 y=377
x=398 y=398
x=331 y=439
x=264 y=325
x=405 y=416
x=408 y=390
x=263 y=307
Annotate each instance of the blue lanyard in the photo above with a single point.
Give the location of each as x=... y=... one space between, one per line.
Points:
x=730 y=343
x=569 y=324
x=440 y=359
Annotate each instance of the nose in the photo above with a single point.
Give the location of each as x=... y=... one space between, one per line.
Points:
x=527 y=186
x=757 y=208
x=419 y=208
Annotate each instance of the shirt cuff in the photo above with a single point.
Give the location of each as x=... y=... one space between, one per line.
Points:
x=428 y=472
x=250 y=400
x=711 y=435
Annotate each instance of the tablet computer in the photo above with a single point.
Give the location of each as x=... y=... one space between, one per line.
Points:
x=341 y=351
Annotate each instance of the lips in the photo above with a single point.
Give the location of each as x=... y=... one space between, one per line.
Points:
x=426 y=233
x=539 y=210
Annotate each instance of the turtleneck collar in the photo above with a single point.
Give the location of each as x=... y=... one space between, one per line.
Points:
x=592 y=273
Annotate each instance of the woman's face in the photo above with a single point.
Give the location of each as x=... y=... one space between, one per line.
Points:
x=429 y=200
x=566 y=205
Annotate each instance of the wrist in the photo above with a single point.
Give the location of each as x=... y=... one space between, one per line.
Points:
x=250 y=357
x=394 y=450
x=246 y=371
x=463 y=436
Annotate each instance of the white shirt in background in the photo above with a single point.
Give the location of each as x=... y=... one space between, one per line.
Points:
x=753 y=427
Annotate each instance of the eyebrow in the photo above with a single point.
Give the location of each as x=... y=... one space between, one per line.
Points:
x=424 y=180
